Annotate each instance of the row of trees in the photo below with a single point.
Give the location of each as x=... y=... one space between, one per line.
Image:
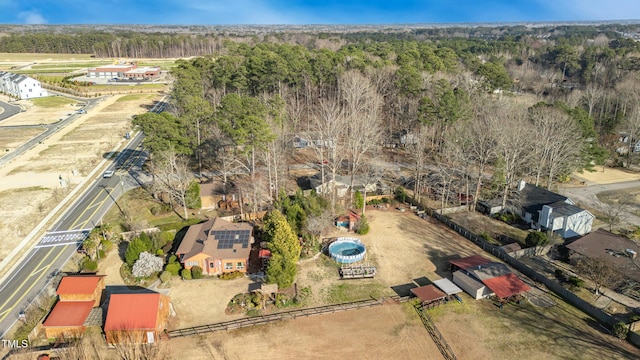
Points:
x=237 y=114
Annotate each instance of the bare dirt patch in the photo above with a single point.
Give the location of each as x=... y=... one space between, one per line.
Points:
x=36 y=115
x=608 y=176
x=382 y=332
x=30 y=185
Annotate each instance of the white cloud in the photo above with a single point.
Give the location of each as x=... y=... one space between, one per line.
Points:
x=31 y=17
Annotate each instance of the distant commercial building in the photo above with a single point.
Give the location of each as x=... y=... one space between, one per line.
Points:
x=20 y=86
x=124 y=71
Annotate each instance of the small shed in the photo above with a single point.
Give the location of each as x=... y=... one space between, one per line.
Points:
x=430 y=295
x=67 y=319
x=81 y=288
x=448 y=287
x=510 y=248
x=476 y=289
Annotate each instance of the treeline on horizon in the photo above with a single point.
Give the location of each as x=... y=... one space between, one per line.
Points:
x=196 y=42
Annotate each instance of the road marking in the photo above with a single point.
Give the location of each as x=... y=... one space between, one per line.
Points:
x=84 y=224
x=24 y=283
x=4 y=312
x=35 y=272
x=85 y=210
x=17 y=302
x=17 y=271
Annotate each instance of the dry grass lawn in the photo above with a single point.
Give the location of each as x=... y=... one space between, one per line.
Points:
x=608 y=176
x=30 y=185
x=13 y=138
x=403 y=247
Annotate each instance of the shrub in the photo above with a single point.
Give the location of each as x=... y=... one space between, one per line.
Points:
x=159 y=252
x=186 y=274
x=358 y=199
x=101 y=254
x=634 y=318
x=172 y=259
x=146 y=265
x=165 y=276
x=89 y=265
x=536 y=238
x=231 y=275
x=620 y=330
x=107 y=245
x=196 y=272
x=173 y=268
x=362 y=228
x=400 y=194
x=488 y=238
x=575 y=281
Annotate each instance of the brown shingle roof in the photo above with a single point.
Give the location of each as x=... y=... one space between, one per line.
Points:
x=611 y=247
x=210 y=237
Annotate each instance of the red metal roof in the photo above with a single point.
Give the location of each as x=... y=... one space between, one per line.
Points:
x=469 y=262
x=428 y=293
x=132 y=312
x=264 y=253
x=69 y=313
x=78 y=284
x=506 y=285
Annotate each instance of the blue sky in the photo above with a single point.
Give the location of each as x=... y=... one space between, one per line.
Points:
x=212 y=12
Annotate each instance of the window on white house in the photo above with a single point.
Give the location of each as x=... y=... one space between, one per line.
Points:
x=240 y=265
x=228 y=266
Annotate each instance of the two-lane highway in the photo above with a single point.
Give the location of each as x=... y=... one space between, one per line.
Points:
x=46 y=259
x=56 y=247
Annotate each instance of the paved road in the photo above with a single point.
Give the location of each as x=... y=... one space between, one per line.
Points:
x=8 y=110
x=50 y=130
x=56 y=247
x=588 y=195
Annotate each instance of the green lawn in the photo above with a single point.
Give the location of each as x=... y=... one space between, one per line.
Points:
x=52 y=101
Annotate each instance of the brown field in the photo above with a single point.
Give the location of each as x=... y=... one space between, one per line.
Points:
x=30 y=187
x=403 y=247
x=13 y=138
x=36 y=115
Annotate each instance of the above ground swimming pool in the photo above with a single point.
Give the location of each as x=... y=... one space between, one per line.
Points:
x=347 y=250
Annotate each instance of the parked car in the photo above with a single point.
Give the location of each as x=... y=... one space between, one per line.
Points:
x=108 y=174
x=81 y=111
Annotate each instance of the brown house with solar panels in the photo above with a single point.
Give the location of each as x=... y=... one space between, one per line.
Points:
x=217 y=246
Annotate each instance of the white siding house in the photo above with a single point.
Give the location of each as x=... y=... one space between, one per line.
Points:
x=548 y=211
x=20 y=86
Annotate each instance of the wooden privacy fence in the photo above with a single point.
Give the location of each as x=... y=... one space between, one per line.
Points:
x=266 y=319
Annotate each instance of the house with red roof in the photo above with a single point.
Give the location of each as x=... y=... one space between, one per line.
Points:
x=81 y=288
x=136 y=317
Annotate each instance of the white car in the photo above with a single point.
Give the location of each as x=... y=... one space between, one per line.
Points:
x=108 y=174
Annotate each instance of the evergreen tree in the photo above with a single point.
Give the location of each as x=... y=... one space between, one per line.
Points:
x=285 y=250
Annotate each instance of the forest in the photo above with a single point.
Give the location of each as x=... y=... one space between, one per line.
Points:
x=470 y=109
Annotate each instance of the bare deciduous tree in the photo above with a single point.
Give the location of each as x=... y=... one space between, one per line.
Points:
x=329 y=123
x=557 y=143
x=513 y=145
x=362 y=106
x=600 y=272
x=172 y=177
